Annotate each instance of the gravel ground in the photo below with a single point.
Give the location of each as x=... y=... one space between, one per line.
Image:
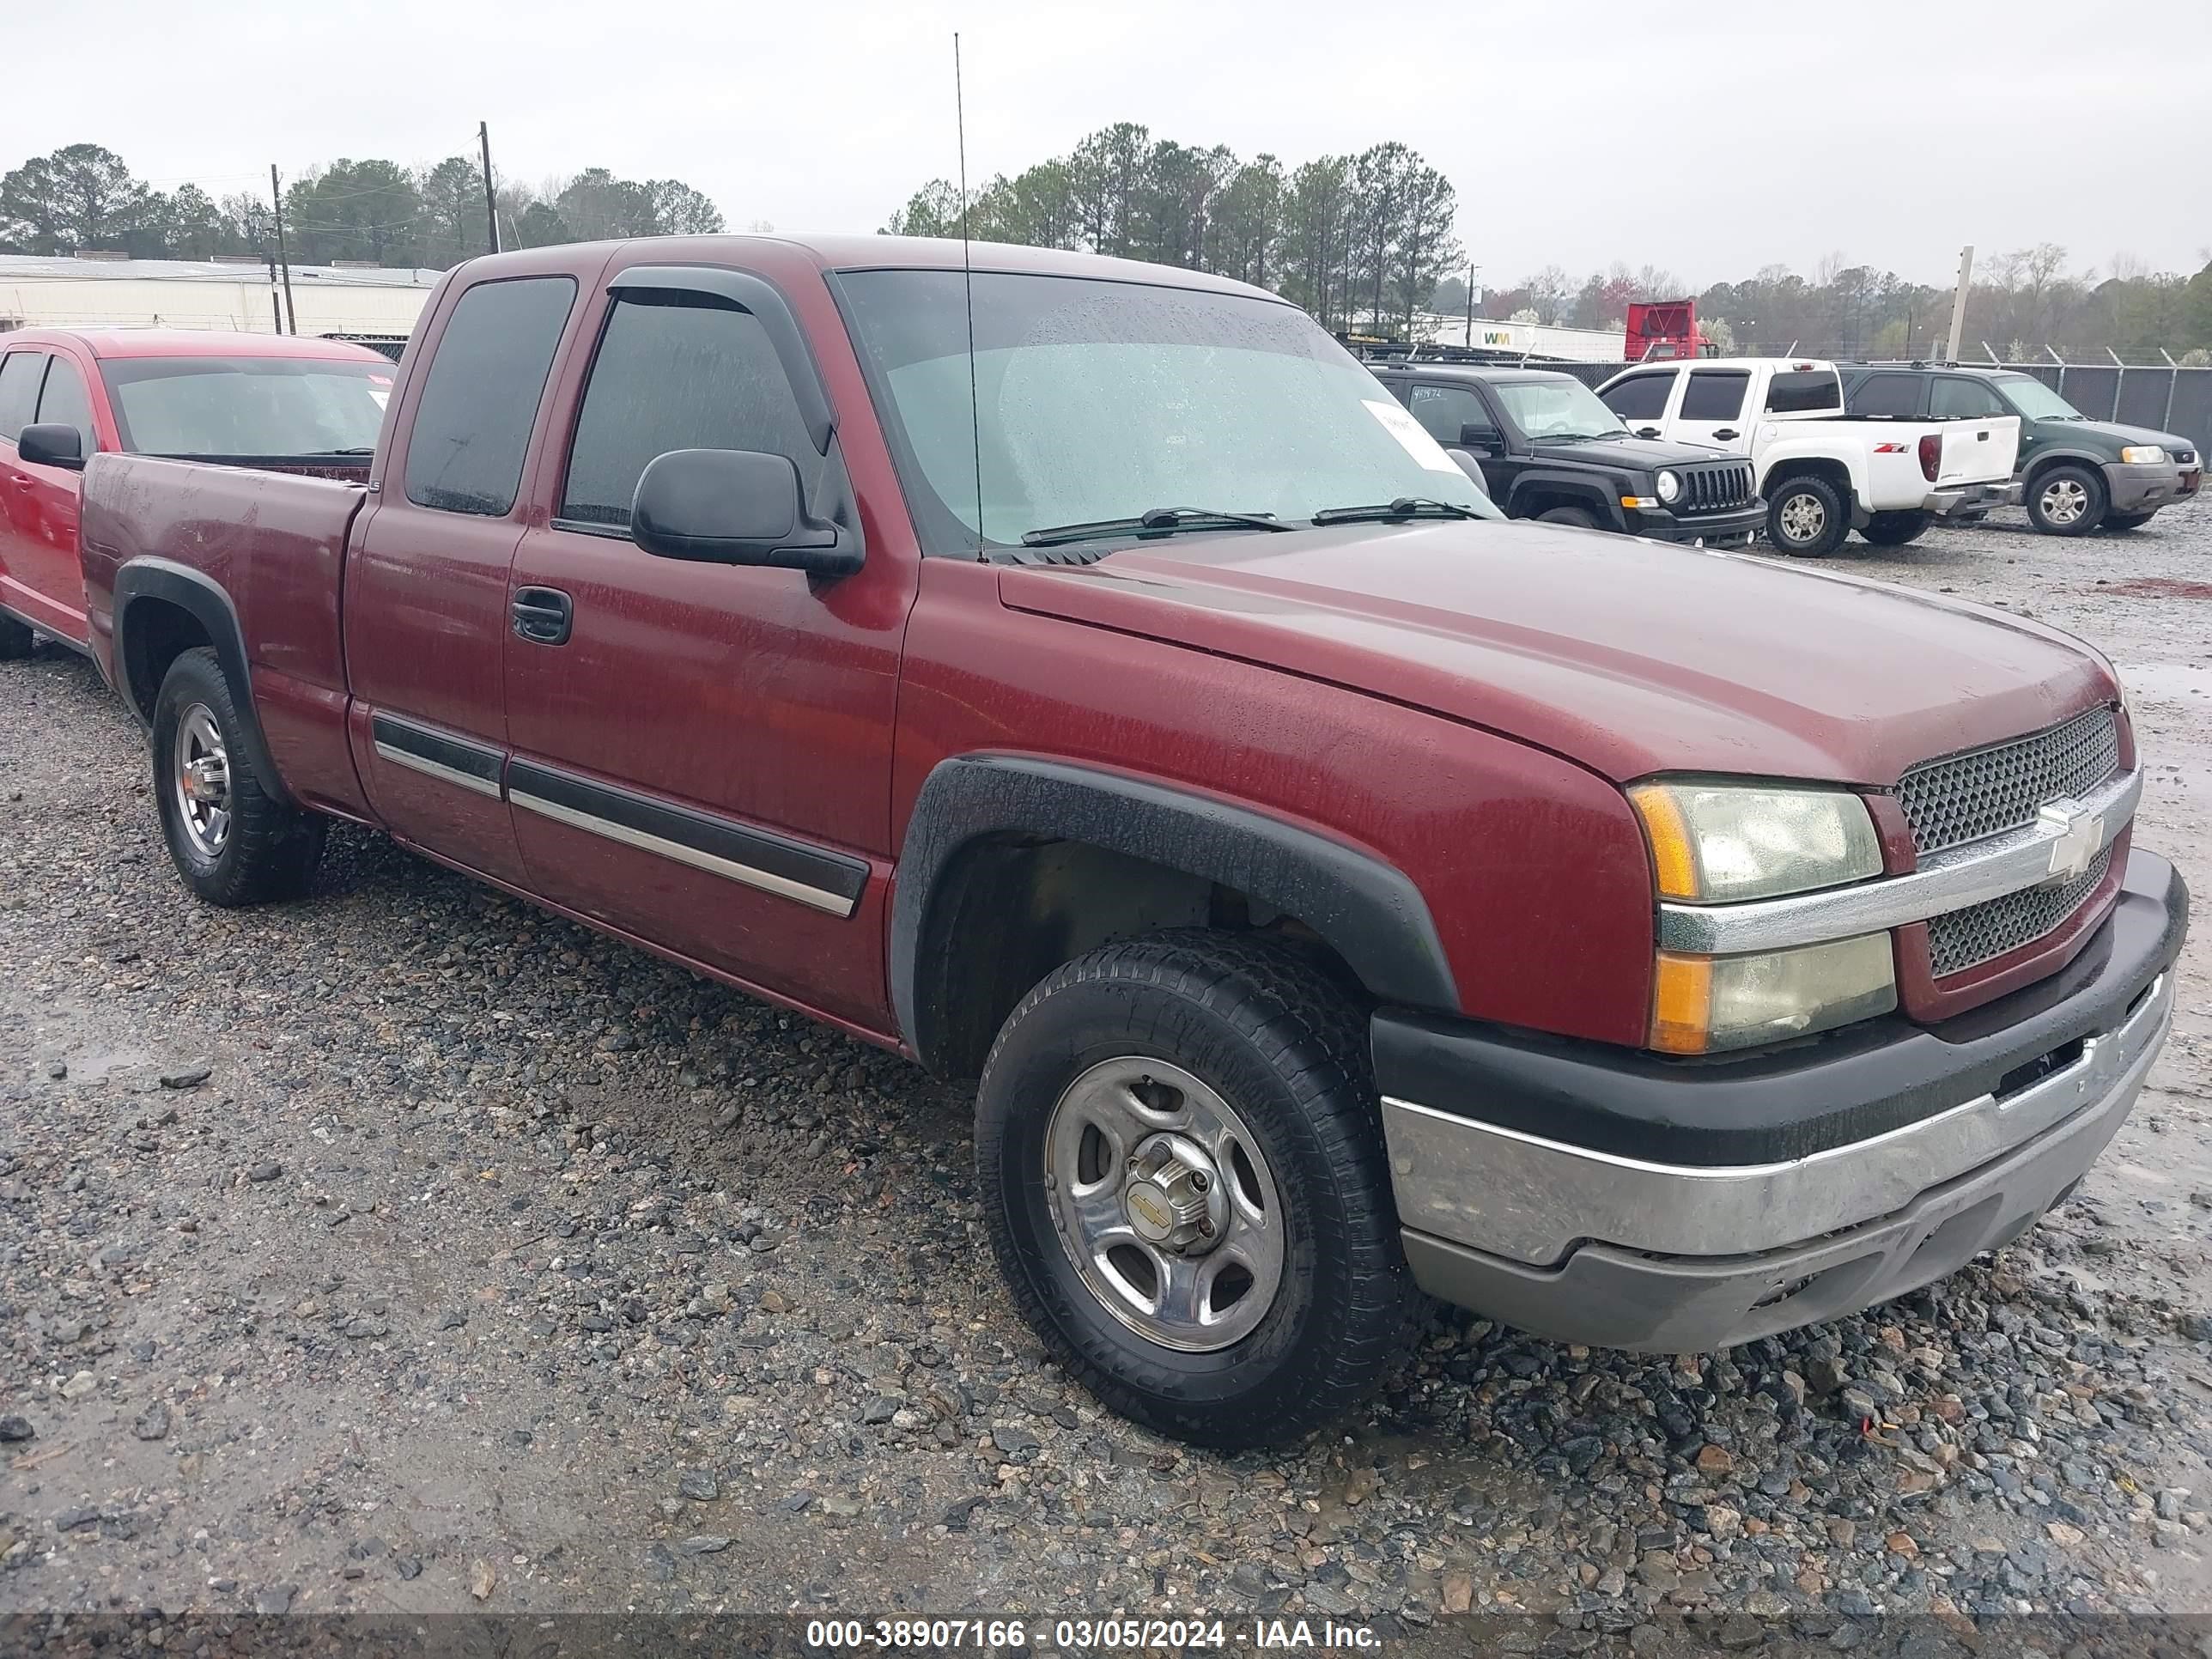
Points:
x=408 y=1250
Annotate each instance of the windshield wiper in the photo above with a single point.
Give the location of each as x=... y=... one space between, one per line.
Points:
x=1406 y=506
x=1577 y=437
x=1157 y=521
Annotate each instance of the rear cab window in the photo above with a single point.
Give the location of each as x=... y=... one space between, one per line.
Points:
x=472 y=423
x=1640 y=397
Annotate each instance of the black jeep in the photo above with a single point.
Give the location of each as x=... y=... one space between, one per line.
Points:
x=1546 y=448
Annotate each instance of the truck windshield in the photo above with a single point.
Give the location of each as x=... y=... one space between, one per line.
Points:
x=265 y=407
x=1557 y=410
x=1101 y=401
x=2034 y=401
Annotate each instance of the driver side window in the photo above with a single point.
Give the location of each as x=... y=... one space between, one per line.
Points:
x=1446 y=411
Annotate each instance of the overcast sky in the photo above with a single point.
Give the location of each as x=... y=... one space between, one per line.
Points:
x=1708 y=138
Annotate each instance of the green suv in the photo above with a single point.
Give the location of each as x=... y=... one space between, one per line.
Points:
x=2076 y=475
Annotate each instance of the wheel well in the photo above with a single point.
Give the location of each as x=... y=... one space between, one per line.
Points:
x=1539 y=499
x=157 y=632
x=1831 y=472
x=1010 y=909
x=2044 y=464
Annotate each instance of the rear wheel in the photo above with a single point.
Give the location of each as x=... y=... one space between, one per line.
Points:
x=16 y=639
x=1805 y=516
x=1568 y=515
x=2128 y=520
x=1896 y=529
x=232 y=838
x=2067 y=501
x=1182 y=1166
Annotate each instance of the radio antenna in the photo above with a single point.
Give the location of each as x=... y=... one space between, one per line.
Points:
x=968 y=293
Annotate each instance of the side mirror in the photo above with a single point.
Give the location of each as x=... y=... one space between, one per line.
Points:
x=1482 y=439
x=735 y=506
x=52 y=443
x=1469 y=465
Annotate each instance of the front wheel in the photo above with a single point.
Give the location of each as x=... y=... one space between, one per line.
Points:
x=1182 y=1164
x=2067 y=501
x=1805 y=516
x=1573 y=517
x=1896 y=529
x=231 y=836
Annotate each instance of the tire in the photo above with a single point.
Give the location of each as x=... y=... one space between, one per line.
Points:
x=16 y=639
x=233 y=839
x=2067 y=501
x=1190 y=1022
x=1896 y=529
x=1805 y=516
x=2128 y=520
x=1568 y=515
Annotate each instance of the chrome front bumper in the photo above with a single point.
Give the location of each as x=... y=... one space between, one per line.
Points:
x=1589 y=1247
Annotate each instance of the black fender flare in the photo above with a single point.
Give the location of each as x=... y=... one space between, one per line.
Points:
x=1370 y=913
x=202 y=597
x=2044 y=460
x=1587 y=493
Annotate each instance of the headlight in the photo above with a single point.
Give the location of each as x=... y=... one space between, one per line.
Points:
x=1670 y=486
x=1702 y=1004
x=1716 y=843
x=2142 y=455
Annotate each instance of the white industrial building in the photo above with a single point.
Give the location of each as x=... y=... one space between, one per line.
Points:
x=364 y=302
x=1509 y=342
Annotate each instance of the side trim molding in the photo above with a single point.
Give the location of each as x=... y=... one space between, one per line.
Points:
x=422 y=749
x=826 y=881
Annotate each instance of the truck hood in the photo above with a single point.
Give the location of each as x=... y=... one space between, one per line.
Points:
x=1629 y=454
x=1630 y=657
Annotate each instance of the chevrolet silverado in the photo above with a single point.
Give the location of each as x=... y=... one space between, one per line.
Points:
x=1081 y=676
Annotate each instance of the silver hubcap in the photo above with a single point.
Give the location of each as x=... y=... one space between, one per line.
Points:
x=201 y=777
x=1803 y=518
x=1165 y=1204
x=2064 y=501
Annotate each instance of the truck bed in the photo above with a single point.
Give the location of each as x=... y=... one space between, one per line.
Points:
x=274 y=543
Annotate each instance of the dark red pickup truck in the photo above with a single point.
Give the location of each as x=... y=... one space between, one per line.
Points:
x=1336 y=890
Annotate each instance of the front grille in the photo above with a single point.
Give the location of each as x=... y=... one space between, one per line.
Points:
x=1715 y=489
x=1985 y=791
x=1982 y=933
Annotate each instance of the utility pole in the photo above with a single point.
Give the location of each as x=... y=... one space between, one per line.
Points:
x=1959 y=301
x=1470 y=305
x=276 y=202
x=491 y=202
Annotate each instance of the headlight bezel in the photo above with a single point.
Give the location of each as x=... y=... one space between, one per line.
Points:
x=1719 y=841
x=1686 y=823
x=1667 y=485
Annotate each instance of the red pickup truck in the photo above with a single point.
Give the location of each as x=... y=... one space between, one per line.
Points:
x=1080 y=676
x=263 y=400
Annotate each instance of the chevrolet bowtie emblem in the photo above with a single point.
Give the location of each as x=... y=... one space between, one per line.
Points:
x=2077 y=836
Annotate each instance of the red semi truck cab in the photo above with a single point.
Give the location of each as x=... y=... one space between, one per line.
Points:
x=261 y=400
x=1663 y=330
x=1082 y=677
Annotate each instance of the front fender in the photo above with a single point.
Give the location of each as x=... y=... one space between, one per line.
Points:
x=1371 y=915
